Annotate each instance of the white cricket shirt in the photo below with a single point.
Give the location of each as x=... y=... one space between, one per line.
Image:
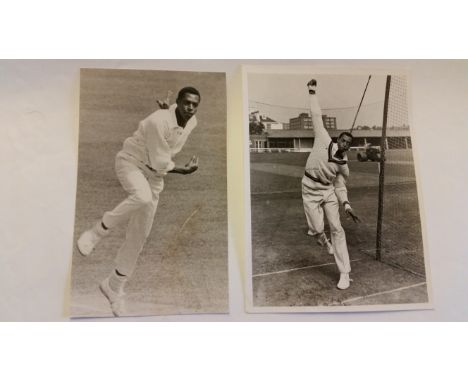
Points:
x=158 y=139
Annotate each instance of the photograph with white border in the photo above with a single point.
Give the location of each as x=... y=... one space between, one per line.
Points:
x=151 y=208
x=333 y=218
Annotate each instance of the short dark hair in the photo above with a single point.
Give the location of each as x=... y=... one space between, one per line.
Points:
x=347 y=133
x=189 y=90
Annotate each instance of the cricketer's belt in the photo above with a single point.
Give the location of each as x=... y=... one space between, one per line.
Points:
x=315 y=179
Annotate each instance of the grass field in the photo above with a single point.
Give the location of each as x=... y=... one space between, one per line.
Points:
x=183 y=266
x=290 y=269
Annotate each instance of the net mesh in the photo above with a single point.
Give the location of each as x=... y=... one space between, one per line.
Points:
x=401 y=239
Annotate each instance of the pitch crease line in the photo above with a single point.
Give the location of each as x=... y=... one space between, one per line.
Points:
x=381 y=293
x=298 y=269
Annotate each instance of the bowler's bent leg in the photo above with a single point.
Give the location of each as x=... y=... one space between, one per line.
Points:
x=135 y=183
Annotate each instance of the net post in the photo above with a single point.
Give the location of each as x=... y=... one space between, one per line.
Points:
x=360 y=103
x=378 y=249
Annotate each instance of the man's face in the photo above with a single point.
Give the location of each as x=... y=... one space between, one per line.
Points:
x=344 y=143
x=188 y=105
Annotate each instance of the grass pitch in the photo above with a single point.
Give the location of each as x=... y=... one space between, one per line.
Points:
x=290 y=269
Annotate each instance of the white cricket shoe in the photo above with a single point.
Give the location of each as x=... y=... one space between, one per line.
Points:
x=344 y=281
x=116 y=300
x=90 y=238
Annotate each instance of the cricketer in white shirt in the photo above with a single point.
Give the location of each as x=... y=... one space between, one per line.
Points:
x=146 y=157
x=324 y=187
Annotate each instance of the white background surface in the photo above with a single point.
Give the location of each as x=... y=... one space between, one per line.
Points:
x=263 y=351
x=38 y=162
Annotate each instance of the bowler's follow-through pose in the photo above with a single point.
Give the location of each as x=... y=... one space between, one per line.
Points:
x=146 y=157
x=324 y=188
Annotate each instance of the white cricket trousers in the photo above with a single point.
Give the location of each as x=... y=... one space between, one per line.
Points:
x=138 y=209
x=315 y=202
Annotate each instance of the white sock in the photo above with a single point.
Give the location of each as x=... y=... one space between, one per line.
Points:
x=99 y=229
x=117 y=282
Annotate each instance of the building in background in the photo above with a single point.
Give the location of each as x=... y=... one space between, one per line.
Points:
x=303 y=121
x=270 y=124
x=329 y=122
x=303 y=140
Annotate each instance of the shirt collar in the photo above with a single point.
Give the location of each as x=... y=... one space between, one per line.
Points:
x=191 y=123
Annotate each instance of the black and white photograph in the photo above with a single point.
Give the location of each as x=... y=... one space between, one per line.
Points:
x=150 y=232
x=334 y=219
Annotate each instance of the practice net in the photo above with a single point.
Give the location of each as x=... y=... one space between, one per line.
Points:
x=399 y=236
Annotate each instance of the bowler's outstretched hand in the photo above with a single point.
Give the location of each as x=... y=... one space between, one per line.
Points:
x=192 y=165
x=162 y=104
x=353 y=215
x=165 y=103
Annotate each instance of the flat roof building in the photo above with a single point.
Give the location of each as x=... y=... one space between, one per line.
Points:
x=304 y=121
x=303 y=139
